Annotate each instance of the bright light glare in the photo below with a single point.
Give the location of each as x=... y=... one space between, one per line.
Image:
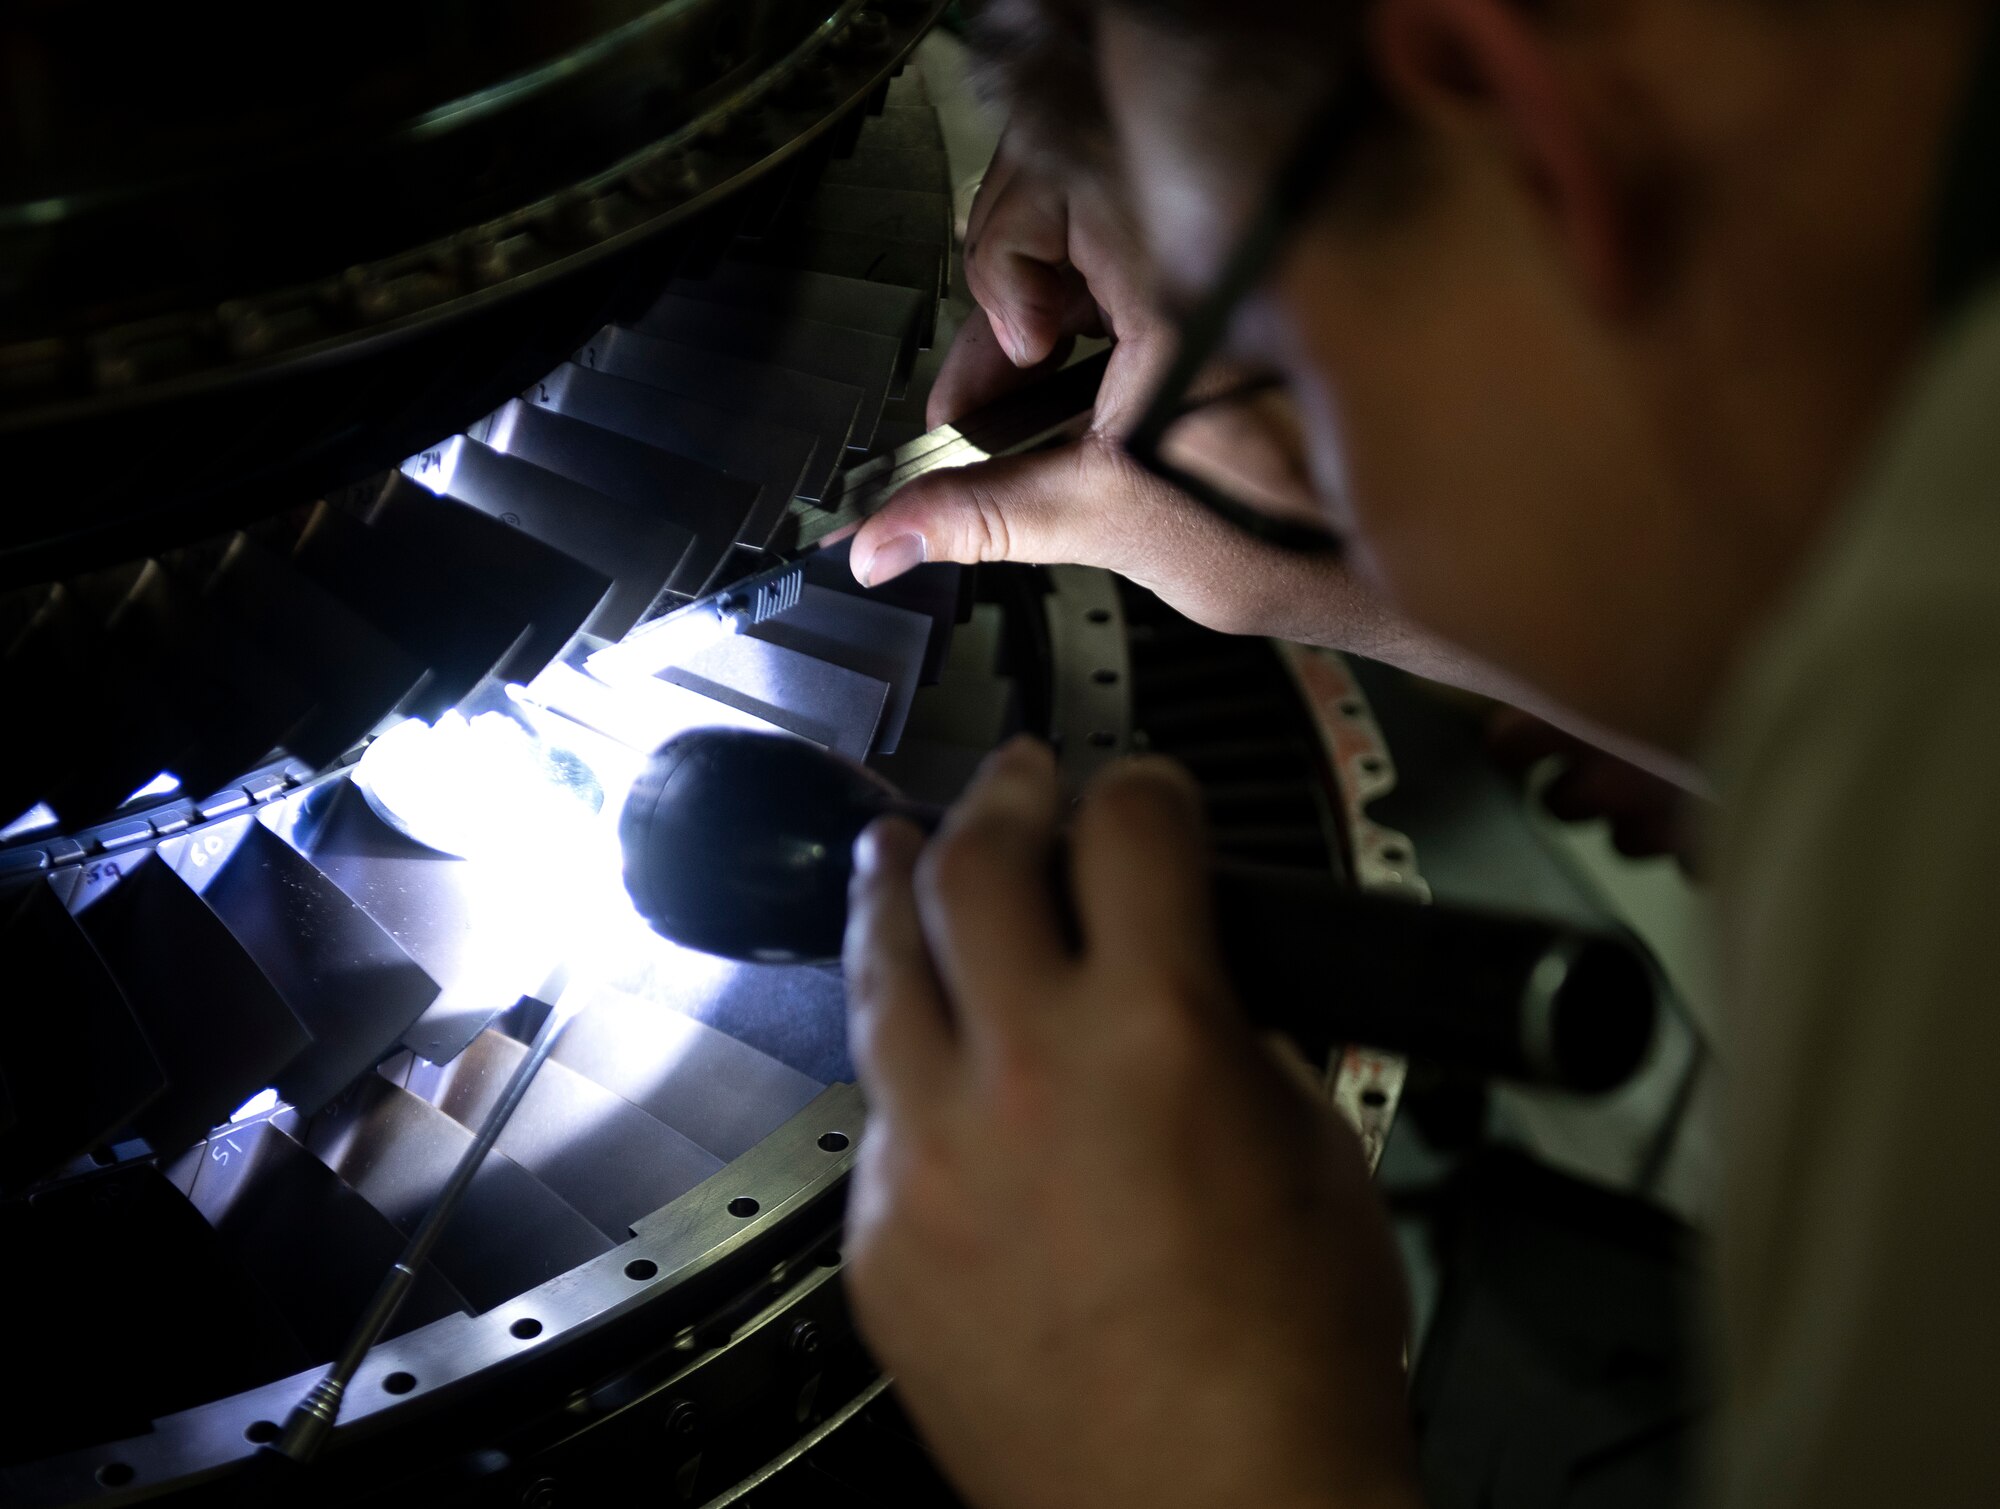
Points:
x=480 y=786
x=163 y=784
x=256 y=1105
x=615 y=765
x=537 y=826
x=530 y=799
x=651 y=648
x=36 y=819
x=41 y=817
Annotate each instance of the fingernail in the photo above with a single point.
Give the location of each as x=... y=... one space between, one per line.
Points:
x=1010 y=340
x=1022 y=749
x=1163 y=774
x=895 y=557
x=867 y=852
x=884 y=841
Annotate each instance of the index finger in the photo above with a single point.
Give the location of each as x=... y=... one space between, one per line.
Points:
x=992 y=184
x=985 y=890
x=1139 y=857
x=976 y=371
x=898 y=1023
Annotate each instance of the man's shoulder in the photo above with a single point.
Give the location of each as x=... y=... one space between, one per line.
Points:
x=1857 y=860
x=1900 y=610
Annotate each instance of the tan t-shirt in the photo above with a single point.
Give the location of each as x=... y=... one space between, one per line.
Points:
x=1859 y=885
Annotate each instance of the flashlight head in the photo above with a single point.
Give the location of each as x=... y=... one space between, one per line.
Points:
x=741 y=843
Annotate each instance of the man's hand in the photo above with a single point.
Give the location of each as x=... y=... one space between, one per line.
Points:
x=1046 y=268
x=1115 y=1253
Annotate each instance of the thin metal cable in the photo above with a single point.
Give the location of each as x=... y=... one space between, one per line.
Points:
x=312 y=1420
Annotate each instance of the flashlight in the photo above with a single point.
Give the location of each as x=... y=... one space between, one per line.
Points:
x=740 y=844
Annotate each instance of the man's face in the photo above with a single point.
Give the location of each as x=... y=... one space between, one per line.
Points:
x=1472 y=431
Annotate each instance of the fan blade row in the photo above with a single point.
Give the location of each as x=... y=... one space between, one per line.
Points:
x=900 y=149
x=202 y=971
x=314 y=1245
x=305 y=632
x=303 y=636
x=179 y=959
x=606 y=1158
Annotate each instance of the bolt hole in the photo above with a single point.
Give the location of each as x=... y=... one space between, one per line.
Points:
x=115 y=1474
x=1375 y=1099
x=1372 y=764
x=743 y=1206
x=641 y=1269
x=259 y=1432
x=1103 y=740
x=1350 y=708
x=1099 y=615
x=399 y=1383
x=1395 y=854
x=833 y=1142
x=527 y=1328
x=1105 y=678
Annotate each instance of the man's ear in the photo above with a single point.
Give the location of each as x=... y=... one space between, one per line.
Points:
x=1482 y=67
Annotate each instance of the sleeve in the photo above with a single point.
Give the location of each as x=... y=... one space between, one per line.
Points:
x=1860 y=1247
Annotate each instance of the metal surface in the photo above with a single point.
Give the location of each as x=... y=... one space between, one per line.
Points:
x=349 y=983
x=711 y=1086
x=1091 y=720
x=827 y=299
x=315 y=258
x=568 y=1336
x=757 y=390
x=636 y=551
x=857 y=357
x=312 y=1420
x=554 y=593
x=785 y=1174
x=323 y=903
x=607 y=1158
x=428 y=902
x=870 y=638
x=709 y=507
x=66 y=1008
x=172 y=956
x=480 y=108
x=1365 y=1084
x=549 y=1200
x=398 y=1152
x=784 y=462
x=310 y=1241
x=344 y=556
x=801 y=694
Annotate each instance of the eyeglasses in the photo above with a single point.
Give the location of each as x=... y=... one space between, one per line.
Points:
x=1173 y=414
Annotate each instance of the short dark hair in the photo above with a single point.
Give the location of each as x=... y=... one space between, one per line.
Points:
x=1272 y=61
x=1036 y=60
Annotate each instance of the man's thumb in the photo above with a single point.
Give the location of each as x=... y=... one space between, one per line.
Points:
x=1017 y=508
